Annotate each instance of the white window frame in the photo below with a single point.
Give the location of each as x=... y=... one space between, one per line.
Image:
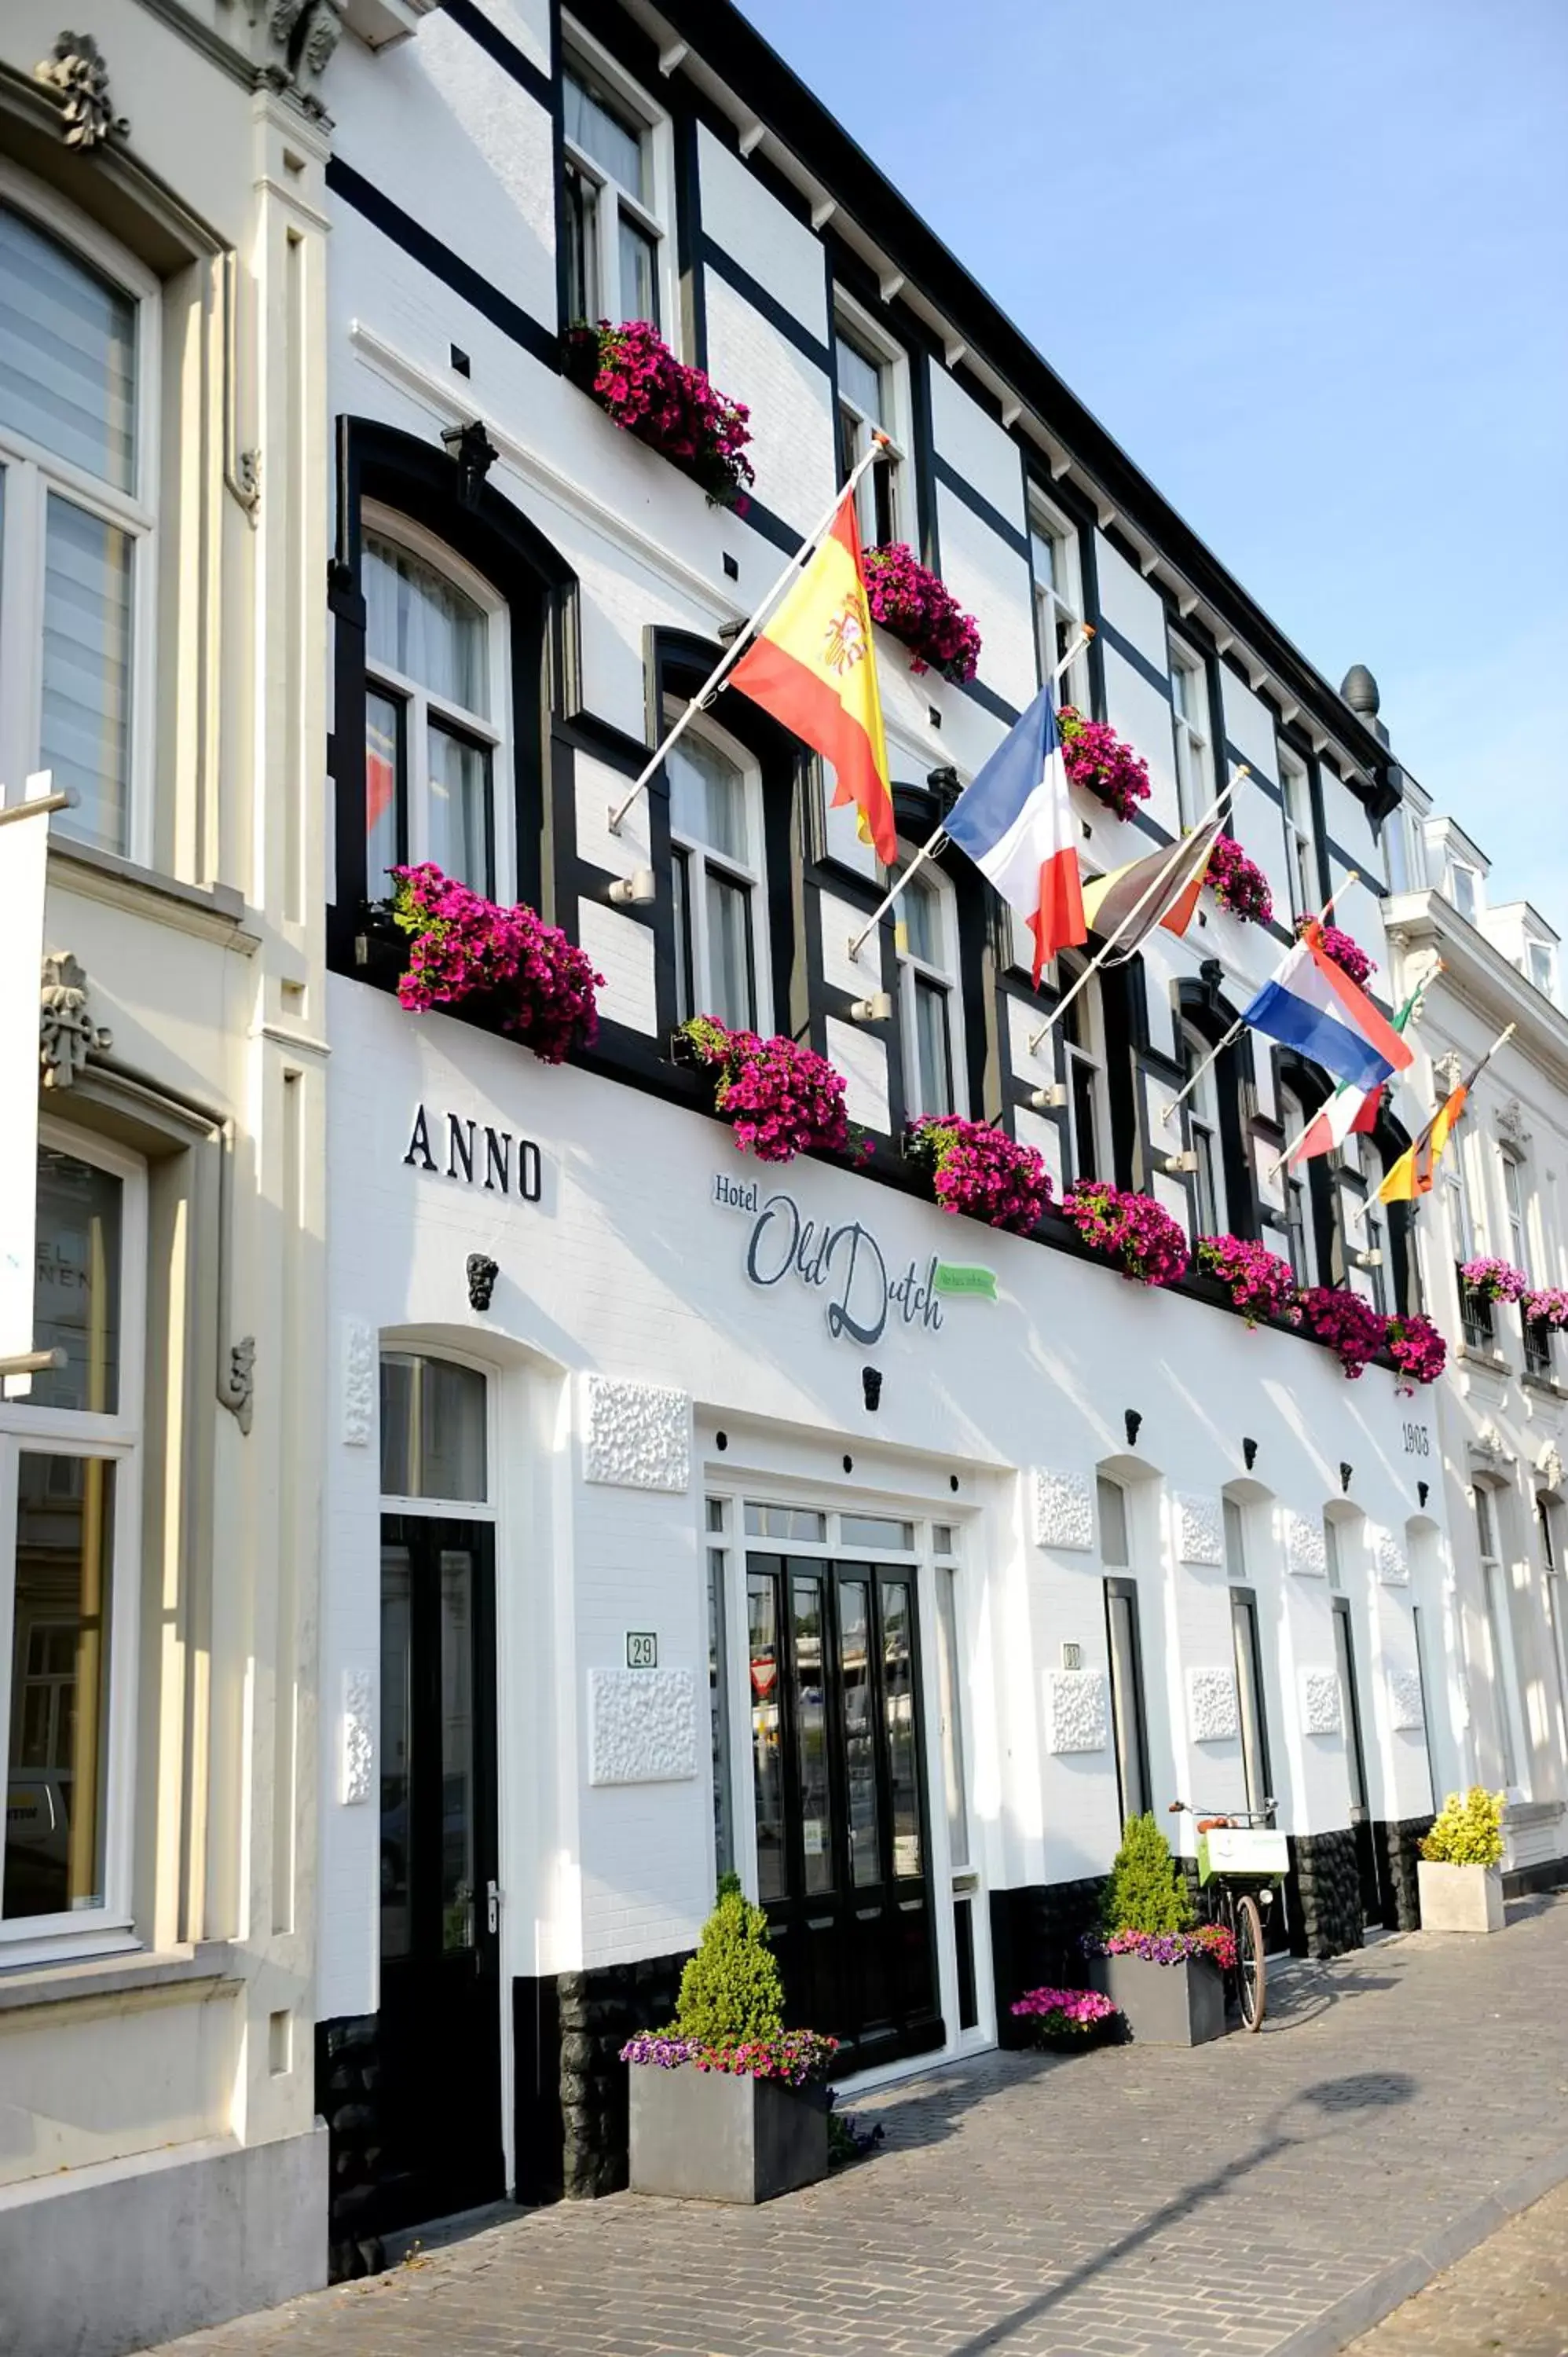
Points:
x=75 y=1432
x=1498 y=1624
x=750 y=871
x=1545 y=980
x=1295 y=810
x=1555 y=1595
x=1516 y=1209
x=654 y=216
x=857 y=325
x=914 y=971
x=31 y=472
x=1203 y=1126
x=392 y=1344
x=420 y=705
x=1456 y=868
x=1059 y=604
x=1193 y=739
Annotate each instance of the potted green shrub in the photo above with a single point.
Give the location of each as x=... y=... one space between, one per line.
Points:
x=1160 y=1968
x=1459 y=1868
x=727 y=2103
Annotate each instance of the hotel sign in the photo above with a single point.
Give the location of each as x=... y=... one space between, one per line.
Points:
x=865 y=1290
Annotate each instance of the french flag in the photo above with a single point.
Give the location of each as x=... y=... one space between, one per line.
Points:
x=1016 y=822
x=1311 y=1005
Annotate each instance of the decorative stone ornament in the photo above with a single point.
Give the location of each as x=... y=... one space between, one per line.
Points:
x=237 y=1384
x=75 y=67
x=360 y=1372
x=308 y=32
x=1406 y=1715
x=1549 y=1465
x=1321 y=1712
x=1510 y=1118
x=1200 y=1530
x=1078 y=1715
x=358 y=1755
x=1212 y=1713
x=638 y=1436
x=1393 y=1563
x=67 y=1033
x=642 y=1726
x=1304 y=1550
x=482 y=1272
x=1064 y=1508
x=475 y=454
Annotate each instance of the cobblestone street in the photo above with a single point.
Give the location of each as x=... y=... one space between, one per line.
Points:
x=1276 y=2193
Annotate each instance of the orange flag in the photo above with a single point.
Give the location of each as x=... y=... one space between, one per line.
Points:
x=812 y=666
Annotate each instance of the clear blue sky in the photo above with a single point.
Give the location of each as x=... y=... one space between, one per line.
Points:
x=1309 y=263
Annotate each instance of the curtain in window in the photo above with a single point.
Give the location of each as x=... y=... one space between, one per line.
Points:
x=68 y=355
x=85 y=737
x=424 y=626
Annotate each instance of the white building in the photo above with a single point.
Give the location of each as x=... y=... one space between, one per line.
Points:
x=647 y=1559
x=162 y=611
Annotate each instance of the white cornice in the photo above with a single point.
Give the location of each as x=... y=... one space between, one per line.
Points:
x=1476 y=974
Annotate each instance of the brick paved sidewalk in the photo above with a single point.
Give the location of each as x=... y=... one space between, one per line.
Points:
x=1134 y=2202
x=1510 y=2293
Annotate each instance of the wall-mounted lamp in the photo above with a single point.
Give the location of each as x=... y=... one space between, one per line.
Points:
x=871 y=1384
x=635 y=890
x=1048 y=1099
x=1372 y=1259
x=1424 y=1490
x=728 y=632
x=1249 y=1453
x=1174 y=1164
x=1134 y=1422
x=482 y=1272
x=878 y=1009
x=474 y=454
x=1345 y=1473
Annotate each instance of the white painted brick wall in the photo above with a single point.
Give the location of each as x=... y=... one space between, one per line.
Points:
x=779 y=251
x=977 y=447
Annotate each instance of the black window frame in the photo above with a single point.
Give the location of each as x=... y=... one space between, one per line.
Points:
x=1125 y=1590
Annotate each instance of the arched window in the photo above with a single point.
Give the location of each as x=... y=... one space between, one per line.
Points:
x=437 y=768
x=432 y=1429
x=1082 y=1030
x=718 y=880
x=928 y=992
x=1203 y=1131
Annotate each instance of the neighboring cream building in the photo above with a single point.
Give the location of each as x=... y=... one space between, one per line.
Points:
x=162 y=620
x=1502 y=1194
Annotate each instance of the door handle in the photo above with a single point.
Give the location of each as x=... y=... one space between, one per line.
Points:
x=493 y=1905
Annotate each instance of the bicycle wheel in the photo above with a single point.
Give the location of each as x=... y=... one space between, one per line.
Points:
x=1252 y=1965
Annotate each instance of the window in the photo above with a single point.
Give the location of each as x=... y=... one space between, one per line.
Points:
x=1540 y=967
x=78 y=432
x=436 y=766
x=1190 y=720
x=1123 y=1653
x=69 y=1461
x=1538 y=1348
x=870 y=397
x=950 y=1689
x=432 y=1429
x=1499 y=1650
x=715 y=832
x=928 y=986
x=1556 y=1599
x=1465 y=889
x=1301 y=1245
x=1083 y=1034
x=1331 y=1562
x=1203 y=1136
x=1297 y=798
x=1058 y=600
x=718 y=1690
x=614 y=226
x=1514 y=1205
x=1249 y=1657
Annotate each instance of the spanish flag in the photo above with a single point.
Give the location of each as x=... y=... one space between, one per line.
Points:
x=812 y=666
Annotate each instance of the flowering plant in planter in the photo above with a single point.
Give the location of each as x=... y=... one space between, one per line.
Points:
x=1494 y=1280
x=466 y=950
x=794 y=2056
x=1067 y=2018
x=978 y=1169
x=1238 y=883
x=1261 y=1284
x=1132 y=1230
x=1346 y=1323
x=783 y=1099
x=1211 y=1940
x=1347 y=954
x=909 y=599
x=730 y=2014
x=1417 y=1350
x=1095 y=758
x=640 y=385
x=1546 y=1306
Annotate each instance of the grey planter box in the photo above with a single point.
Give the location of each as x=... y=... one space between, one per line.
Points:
x=1459 y=1898
x=1166 y=2005
x=705 y=2136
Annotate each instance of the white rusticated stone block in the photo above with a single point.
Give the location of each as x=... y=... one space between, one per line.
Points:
x=1200 y=1529
x=1211 y=1708
x=1064 y=1508
x=1304 y=1551
x=1320 y=1709
x=1393 y=1563
x=358 y=1755
x=638 y=1436
x=1077 y=1713
x=1406 y=1711
x=642 y=1726
x=359 y=1403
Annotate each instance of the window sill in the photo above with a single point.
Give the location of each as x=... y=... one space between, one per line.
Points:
x=123 y=1973
x=1496 y=1363
x=214 y=913
x=1519 y=1814
x=1544 y=1386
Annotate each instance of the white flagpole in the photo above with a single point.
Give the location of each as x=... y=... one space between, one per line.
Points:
x=1240 y=1023
x=1358 y=1211
x=929 y=850
x=1160 y=884
x=737 y=646
x=1421 y=988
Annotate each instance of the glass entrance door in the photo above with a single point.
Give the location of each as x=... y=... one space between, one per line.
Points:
x=438 y=2030
x=838 y=1768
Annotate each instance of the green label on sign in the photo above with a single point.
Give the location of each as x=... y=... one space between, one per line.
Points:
x=952 y=1276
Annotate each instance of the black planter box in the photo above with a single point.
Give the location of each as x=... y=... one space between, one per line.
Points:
x=713 y=2136
x=1166 y=2005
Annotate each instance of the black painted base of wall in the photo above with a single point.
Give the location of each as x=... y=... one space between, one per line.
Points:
x=571 y=2085
x=1323 y=1893
x=348 y=2073
x=1550 y=1874
x=1398 y=1846
x=1036 y=1932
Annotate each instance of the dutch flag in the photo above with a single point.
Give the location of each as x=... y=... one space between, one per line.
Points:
x=1016 y=823
x=1311 y=1005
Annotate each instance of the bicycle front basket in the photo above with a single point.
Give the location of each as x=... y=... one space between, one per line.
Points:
x=1243 y=1849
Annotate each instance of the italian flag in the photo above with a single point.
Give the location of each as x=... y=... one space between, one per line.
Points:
x=1350 y=1111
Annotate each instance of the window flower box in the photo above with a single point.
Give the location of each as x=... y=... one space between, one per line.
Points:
x=1494 y=1280
x=1347 y=954
x=642 y=387
x=1096 y=758
x=1238 y=883
x=1260 y=1285
x=1417 y=1350
x=507 y=963
x=781 y=1099
x=1545 y=1305
x=976 y=1169
x=920 y=609
x=1132 y=1230
x=1346 y=1323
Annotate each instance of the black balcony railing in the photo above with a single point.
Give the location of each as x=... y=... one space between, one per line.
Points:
x=1538 y=1348
x=1474 y=1314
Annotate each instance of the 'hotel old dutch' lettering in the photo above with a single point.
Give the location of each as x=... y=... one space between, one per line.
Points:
x=848 y=1259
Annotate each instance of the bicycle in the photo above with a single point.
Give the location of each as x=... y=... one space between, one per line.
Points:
x=1240 y=1853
